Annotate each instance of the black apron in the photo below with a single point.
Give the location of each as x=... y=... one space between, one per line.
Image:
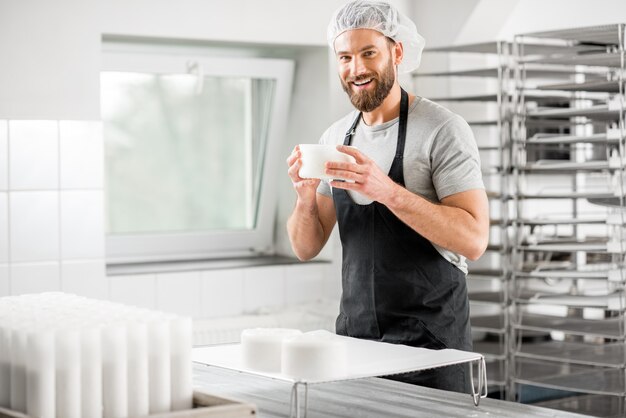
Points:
x=397 y=288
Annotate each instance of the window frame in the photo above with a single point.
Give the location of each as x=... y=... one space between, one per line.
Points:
x=158 y=247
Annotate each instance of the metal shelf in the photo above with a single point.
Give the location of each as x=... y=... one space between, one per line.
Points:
x=535 y=71
x=559 y=221
x=602 y=59
x=568 y=270
x=595 y=196
x=543 y=166
x=596 y=405
x=552 y=76
x=495 y=352
x=572 y=377
x=496 y=375
x=608 y=302
x=605 y=328
x=538 y=123
x=491 y=171
x=545 y=139
x=538 y=97
x=488 y=297
x=497 y=46
x=599 y=34
x=563 y=123
x=493 y=195
x=495 y=248
x=476 y=48
x=604 y=355
x=489 y=148
x=485 y=273
x=591 y=358
x=489 y=323
x=499 y=222
x=492 y=350
x=478 y=72
x=562 y=274
x=469 y=98
x=482 y=123
x=588 y=86
x=598 y=112
x=607 y=201
x=559 y=72
x=567 y=247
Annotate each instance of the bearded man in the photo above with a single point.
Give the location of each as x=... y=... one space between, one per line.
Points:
x=413 y=206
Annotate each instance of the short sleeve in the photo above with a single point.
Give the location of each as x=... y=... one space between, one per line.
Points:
x=455 y=160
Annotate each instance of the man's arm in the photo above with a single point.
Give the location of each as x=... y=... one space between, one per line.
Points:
x=460 y=223
x=309 y=226
x=313 y=217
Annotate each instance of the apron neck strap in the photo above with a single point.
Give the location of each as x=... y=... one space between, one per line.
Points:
x=348 y=138
x=404 y=114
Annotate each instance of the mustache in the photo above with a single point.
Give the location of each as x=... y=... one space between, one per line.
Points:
x=361 y=77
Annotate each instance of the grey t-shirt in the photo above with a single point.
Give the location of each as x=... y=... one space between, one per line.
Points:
x=440 y=155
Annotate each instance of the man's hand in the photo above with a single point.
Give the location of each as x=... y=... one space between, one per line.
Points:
x=313 y=217
x=369 y=180
x=305 y=188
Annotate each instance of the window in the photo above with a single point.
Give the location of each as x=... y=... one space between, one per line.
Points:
x=192 y=145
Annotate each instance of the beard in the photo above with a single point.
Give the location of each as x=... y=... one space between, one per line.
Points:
x=364 y=100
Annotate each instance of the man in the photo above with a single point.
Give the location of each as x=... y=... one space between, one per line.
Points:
x=414 y=206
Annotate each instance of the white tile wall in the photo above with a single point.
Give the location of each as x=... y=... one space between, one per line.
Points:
x=34 y=226
x=4 y=228
x=179 y=293
x=4 y=155
x=4 y=280
x=263 y=287
x=333 y=269
x=35 y=278
x=221 y=293
x=137 y=290
x=82 y=154
x=332 y=282
x=52 y=234
x=304 y=283
x=33 y=155
x=82 y=224
x=86 y=278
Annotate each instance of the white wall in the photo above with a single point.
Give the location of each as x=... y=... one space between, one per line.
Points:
x=51 y=225
x=49 y=54
x=447 y=22
x=49 y=78
x=52 y=206
x=536 y=15
x=51 y=50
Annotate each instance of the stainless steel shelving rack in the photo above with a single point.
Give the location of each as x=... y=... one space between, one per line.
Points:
x=488 y=283
x=568 y=323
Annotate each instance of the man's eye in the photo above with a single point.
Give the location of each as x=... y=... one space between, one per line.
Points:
x=344 y=58
x=368 y=53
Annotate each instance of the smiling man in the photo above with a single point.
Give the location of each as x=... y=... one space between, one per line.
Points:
x=414 y=207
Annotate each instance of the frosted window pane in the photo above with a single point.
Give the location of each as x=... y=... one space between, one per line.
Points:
x=183 y=154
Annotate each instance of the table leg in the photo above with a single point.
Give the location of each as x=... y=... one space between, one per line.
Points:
x=294 y=406
x=482 y=381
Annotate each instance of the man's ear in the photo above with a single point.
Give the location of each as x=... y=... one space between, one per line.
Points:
x=398 y=53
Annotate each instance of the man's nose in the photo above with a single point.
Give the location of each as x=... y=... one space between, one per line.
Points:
x=357 y=67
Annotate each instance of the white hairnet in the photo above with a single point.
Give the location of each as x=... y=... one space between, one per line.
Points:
x=384 y=18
